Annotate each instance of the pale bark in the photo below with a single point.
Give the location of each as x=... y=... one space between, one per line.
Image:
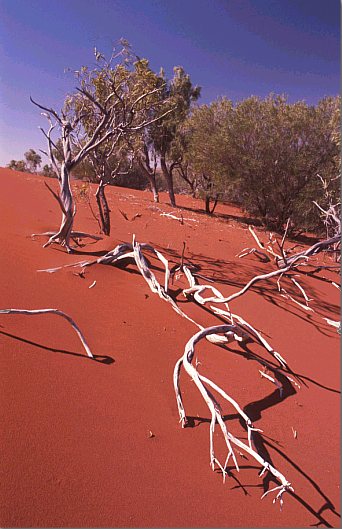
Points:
x=28 y=312
x=216 y=415
x=145 y=167
x=68 y=211
x=237 y=329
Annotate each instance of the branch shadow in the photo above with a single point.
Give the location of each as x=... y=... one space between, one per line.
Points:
x=98 y=253
x=250 y=221
x=255 y=409
x=263 y=443
x=102 y=359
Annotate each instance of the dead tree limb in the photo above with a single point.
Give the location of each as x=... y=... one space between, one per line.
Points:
x=216 y=415
x=237 y=329
x=27 y=312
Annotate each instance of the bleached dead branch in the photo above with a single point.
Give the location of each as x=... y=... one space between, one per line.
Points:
x=181 y=219
x=237 y=329
x=216 y=415
x=268 y=248
x=333 y=323
x=313 y=250
x=27 y=312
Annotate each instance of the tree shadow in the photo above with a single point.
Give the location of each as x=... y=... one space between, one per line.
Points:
x=250 y=221
x=102 y=359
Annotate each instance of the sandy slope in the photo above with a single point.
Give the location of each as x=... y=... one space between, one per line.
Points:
x=75 y=444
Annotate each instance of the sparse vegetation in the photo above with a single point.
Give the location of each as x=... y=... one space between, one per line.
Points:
x=279 y=161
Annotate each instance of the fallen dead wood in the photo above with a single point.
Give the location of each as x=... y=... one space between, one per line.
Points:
x=310 y=252
x=27 y=312
x=237 y=329
x=181 y=219
x=216 y=415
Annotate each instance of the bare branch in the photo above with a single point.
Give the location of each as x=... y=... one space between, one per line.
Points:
x=49 y=110
x=58 y=313
x=147 y=123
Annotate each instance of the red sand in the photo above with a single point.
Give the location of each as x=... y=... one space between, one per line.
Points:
x=75 y=443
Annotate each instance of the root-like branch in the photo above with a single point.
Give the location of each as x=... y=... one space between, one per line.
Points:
x=216 y=415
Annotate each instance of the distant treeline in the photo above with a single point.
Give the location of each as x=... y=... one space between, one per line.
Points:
x=272 y=157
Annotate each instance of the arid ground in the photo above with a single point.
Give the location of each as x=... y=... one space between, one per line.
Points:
x=89 y=443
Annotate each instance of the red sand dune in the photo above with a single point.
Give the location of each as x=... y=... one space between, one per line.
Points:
x=76 y=449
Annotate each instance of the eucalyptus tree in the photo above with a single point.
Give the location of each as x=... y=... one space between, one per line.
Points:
x=103 y=108
x=33 y=160
x=107 y=163
x=161 y=136
x=204 y=158
x=146 y=159
x=17 y=165
x=30 y=164
x=47 y=170
x=70 y=126
x=137 y=91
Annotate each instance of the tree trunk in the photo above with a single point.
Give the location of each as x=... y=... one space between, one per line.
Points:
x=207 y=204
x=104 y=210
x=215 y=204
x=68 y=206
x=66 y=203
x=191 y=183
x=152 y=180
x=169 y=180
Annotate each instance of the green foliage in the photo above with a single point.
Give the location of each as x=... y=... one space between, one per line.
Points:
x=133 y=90
x=162 y=138
x=266 y=154
x=33 y=160
x=278 y=149
x=204 y=137
x=47 y=170
x=180 y=94
x=17 y=165
x=29 y=165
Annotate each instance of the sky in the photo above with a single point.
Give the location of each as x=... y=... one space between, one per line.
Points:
x=232 y=48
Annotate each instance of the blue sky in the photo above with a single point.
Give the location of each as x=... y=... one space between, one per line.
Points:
x=230 y=47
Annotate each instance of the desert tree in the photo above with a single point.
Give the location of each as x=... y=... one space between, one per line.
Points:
x=102 y=108
x=47 y=170
x=145 y=156
x=33 y=160
x=160 y=136
x=17 y=165
x=329 y=201
x=204 y=158
x=137 y=93
x=69 y=126
x=277 y=149
x=108 y=163
x=30 y=164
